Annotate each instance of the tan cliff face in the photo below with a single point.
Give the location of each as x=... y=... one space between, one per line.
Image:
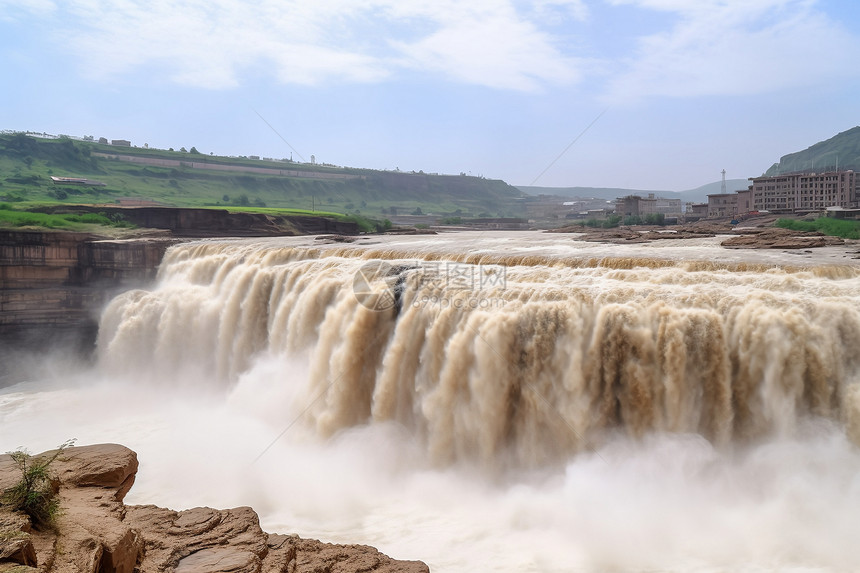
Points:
x=55 y=283
x=97 y=533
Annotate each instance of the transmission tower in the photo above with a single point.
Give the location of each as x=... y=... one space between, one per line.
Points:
x=723 y=186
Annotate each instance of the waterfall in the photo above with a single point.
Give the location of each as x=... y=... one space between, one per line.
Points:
x=503 y=359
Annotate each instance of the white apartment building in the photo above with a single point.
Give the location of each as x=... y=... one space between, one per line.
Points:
x=805 y=191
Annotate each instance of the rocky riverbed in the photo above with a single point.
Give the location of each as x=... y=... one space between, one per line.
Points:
x=748 y=236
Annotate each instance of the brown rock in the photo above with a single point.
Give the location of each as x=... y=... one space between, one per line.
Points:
x=172 y=537
x=103 y=465
x=219 y=560
x=778 y=238
x=92 y=531
x=281 y=554
x=640 y=234
x=96 y=533
x=16 y=545
x=13 y=568
x=314 y=556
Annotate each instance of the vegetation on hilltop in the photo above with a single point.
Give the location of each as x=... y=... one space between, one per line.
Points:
x=27 y=164
x=16 y=218
x=842 y=149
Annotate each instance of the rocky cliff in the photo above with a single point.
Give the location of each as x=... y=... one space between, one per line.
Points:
x=54 y=284
x=97 y=533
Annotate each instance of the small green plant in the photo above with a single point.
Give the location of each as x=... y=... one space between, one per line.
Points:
x=36 y=493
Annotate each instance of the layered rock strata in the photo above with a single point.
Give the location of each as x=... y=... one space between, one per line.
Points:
x=54 y=284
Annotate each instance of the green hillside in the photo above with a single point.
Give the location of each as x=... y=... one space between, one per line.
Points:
x=185 y=179
x=842 y=150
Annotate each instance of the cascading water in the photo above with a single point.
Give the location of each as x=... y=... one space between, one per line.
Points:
x=513 y=409
x=520 y=364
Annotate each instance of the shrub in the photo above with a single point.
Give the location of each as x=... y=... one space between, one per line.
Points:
x=612 y=221
x=608 y=223
x=655 y=219
x=36 y=493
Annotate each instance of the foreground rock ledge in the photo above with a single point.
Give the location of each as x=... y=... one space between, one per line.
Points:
x=97 y=533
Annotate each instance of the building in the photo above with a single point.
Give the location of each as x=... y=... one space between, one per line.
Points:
x=668 y=206
x=120 y=142
x=549 y=206
x=730 y=204
x=843 y=213
x=698 y=209
x=635 y=206
x=790 y=193
x=745 y=204
x=76 y=181
x=722 y=205
x=805 y=192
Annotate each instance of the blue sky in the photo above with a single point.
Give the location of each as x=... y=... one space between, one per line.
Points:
x=497 y=88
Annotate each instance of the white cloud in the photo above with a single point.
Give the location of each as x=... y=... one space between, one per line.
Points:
x=10 y=10
x=735 y=47
x=713 y=47
x=495 y=50
x=213 y=43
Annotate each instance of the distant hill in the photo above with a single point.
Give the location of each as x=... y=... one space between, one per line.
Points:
x=185 y=179
x=697 y=195
x=842 y=149
x=700 y=194
x=595 y=192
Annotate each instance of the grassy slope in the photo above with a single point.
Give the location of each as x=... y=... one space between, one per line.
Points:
x=826 y=225
x=26 y=165
x=13 y=218
x=843 y=148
